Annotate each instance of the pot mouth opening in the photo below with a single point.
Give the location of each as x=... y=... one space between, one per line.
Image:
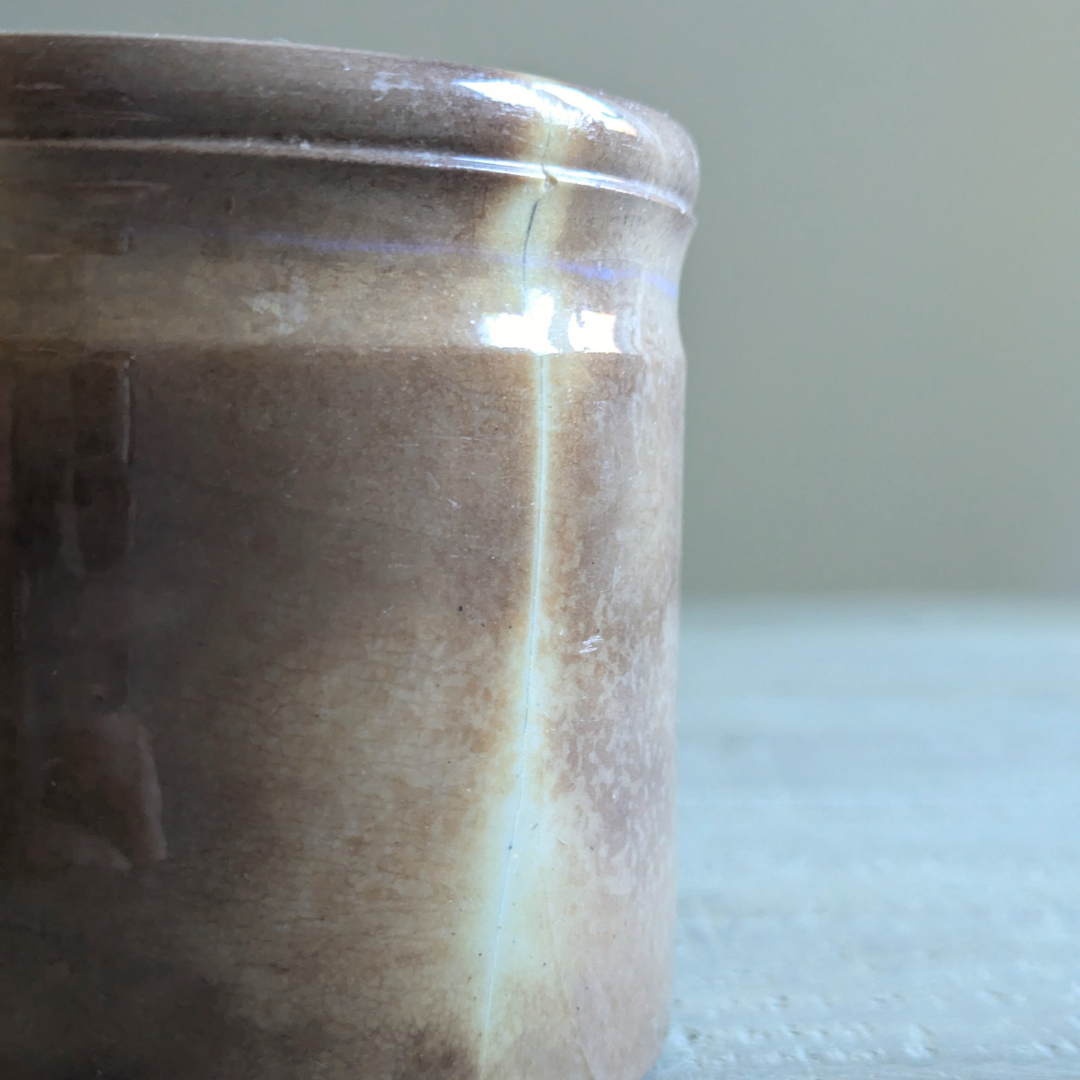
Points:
x=276 y=99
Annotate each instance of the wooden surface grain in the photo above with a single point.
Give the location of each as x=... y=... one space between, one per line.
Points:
x=880 y=851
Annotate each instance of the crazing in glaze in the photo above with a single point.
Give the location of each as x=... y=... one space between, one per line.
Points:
x=341 y=406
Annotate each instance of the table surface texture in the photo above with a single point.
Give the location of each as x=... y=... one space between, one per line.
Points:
x=879 y=842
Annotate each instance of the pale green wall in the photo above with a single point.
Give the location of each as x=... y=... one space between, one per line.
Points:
x=882 y=306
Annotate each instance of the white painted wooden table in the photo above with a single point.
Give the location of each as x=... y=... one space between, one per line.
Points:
x=880 y=843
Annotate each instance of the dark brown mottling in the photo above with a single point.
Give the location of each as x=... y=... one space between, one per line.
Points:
x=340 y=457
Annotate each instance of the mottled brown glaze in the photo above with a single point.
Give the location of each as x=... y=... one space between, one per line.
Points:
x=340 y=454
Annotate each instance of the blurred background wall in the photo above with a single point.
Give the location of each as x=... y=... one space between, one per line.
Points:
x=882 y=304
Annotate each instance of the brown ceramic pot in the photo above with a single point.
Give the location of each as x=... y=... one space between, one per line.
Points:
x=341 y=406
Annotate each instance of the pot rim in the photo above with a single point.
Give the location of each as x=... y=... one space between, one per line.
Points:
x=277 y=99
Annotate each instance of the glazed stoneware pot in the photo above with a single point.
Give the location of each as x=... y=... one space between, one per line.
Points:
x=340 y=446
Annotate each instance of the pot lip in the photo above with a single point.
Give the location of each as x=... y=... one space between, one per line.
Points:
x=174 y=94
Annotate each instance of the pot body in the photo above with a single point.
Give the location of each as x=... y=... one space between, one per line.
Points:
x=340 y=484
